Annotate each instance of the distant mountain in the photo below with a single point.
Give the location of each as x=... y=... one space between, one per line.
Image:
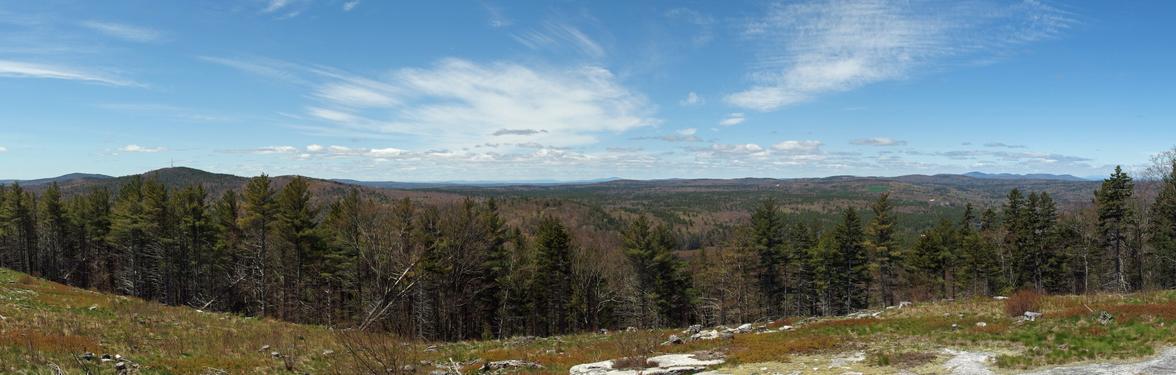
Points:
x=444 y=184
x=1031 y=176
x=68 y=178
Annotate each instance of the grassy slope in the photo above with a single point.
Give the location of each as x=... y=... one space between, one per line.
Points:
x=47 y=324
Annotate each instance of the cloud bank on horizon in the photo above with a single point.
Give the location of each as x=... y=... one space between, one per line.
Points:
x=491 y=90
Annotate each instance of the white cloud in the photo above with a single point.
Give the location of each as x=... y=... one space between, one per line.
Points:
x=124 y=31
x=798 y=147
x=275 y=5
x=1002 y=145
x=273 y=69
x=498 y=18
x=142 y=149
x=879 y=141
x=732 y=119
x=692 y=98
x=817 y=47
x=315 y=148
x=3 y=149
x=348 y=6
x=355 y=95
x=458 y=103
x=559 y=36
x=9 y=68
x=703 y=22
x=276 y=150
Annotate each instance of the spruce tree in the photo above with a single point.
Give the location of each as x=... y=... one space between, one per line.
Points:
x=1115 y=218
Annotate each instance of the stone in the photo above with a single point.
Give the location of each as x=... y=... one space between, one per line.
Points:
x=981 y=324
x=673 y=340
x=904 y=304
x=1032 y=316
x=1000 y=298
x=263 y=348
x=745 y=327
x=785 y=328
x=509 y=364
x=694 y=329
x=594 y=368
x=88 y=356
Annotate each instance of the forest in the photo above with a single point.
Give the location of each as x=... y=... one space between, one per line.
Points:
x=441 y=271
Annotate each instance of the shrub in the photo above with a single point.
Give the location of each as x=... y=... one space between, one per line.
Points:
x=1022 y=301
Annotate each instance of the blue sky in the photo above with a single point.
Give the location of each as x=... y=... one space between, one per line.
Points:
x=494 y=90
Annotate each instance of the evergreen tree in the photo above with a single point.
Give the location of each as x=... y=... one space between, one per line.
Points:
x=89 y=215
x=852 y=268
x=1115 y=218
x=194 y=261
x=769 y=242
x=661 y=283
x=305 y=253
x=54 y=234
x=258 y=219
x=1162 y=228
x=884 y=250
x=552 y=286
x=128 y=235
x=228 y=264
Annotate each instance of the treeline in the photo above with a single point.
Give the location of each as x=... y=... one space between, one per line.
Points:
x=459 y=271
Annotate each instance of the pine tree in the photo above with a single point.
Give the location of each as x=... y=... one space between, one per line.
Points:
x=852 y=268
x=54 y=234
x=89 y=257
x=128 y=227
x=883 y=248
x=1162 y=228
x=305 y=250
x=20 y=228
x=1115 y=218
x=769 y=242
x=661 y=284
x=228 y=264
x=194 y=260
x=552 y=286
x=257 y=222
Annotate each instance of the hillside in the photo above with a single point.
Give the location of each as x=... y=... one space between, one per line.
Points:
x=46 y=326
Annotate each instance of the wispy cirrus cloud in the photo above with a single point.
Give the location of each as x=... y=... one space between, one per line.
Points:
x=24 y=69
x=124 y=31
x=497 y=17
x=808 y=49
x=134 y=148
x=1002 y=145
x=350 y=5
x=878 y=141
x=560 y=36
x=501 y=132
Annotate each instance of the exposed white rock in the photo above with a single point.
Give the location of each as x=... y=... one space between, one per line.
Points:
x=967 y=363
x=662 y=364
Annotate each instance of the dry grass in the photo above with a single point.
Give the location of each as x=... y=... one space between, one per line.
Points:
x=1021 y=302
x=46 y=323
